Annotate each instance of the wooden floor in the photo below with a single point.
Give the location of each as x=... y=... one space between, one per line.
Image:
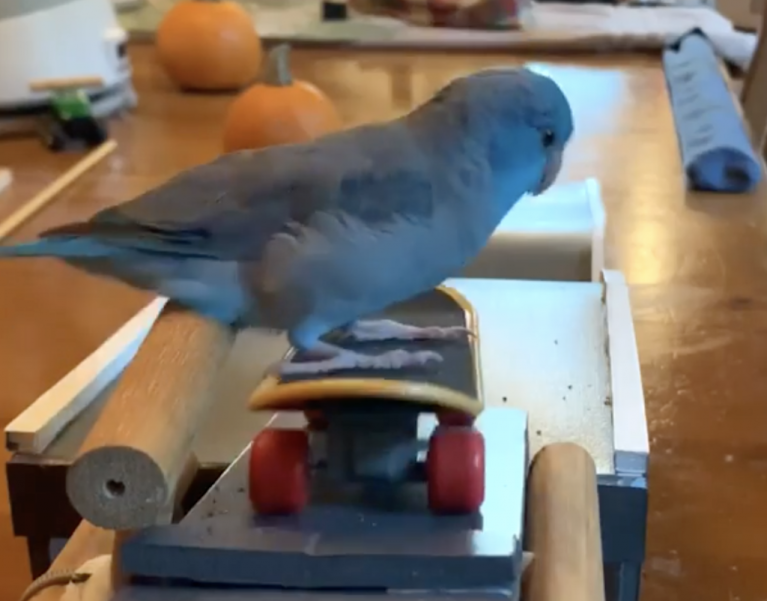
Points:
x=697 y=265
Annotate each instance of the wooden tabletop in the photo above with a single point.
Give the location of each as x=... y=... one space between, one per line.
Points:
x=696 y=263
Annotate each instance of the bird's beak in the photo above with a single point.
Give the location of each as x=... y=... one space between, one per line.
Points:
x=550 y=172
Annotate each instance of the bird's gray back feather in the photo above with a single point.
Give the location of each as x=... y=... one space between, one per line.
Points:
x=230 y=208
x=310 y=237
x=252 y=231
x=398 y=234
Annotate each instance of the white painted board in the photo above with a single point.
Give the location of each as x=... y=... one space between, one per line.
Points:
x=630 y=435
x=558 y=235
x=40 y=423
x=544 y=348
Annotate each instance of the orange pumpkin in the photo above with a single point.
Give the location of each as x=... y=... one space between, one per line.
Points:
x=209 y=45
x=278 y=109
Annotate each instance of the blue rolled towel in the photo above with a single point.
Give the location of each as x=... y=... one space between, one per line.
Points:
x=716 y=151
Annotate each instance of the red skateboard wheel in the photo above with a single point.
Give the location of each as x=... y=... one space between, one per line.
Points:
x=455 y=470
x=278 y=471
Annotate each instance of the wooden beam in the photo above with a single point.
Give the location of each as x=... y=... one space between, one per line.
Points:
x=39 y=425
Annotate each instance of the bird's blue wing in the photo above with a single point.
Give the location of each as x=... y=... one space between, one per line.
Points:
x=230 y=208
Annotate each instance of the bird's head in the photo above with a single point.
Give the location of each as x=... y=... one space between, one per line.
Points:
x=522 y=119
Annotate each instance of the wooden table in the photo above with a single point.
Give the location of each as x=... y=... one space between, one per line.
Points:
x=696 y=264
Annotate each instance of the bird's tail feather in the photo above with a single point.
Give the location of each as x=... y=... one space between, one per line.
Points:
x=63 y=247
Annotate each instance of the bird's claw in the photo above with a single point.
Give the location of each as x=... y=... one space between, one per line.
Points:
x=386 y=329
x=348 y=360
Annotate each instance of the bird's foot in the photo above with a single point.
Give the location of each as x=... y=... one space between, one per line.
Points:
x=387 y=329
x=342 y=360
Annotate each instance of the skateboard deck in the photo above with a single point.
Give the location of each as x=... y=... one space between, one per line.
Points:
x=455 y=384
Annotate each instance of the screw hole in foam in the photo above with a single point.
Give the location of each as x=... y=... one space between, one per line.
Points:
x=114 y=489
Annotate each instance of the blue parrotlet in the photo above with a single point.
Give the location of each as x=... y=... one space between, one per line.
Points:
x=311 y=238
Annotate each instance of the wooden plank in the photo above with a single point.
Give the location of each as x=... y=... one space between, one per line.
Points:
x=630 y=438
x=41 y=422
x=43 y=198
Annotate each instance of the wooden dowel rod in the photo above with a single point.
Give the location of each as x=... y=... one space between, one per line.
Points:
x=562 y=527
x=43 y=198
x=64 y=83
x=131 y=462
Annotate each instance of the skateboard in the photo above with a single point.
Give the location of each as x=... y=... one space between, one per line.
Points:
x=359 y=482
x=362 y=427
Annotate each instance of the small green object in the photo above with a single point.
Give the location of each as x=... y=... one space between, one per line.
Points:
x=71 y=104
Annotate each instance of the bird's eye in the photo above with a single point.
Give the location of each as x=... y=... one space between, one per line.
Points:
x=548 y=138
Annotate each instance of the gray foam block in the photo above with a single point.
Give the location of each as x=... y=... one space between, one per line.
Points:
x=350 y=546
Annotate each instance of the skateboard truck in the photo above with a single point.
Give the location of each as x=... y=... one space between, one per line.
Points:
x=363 y=434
